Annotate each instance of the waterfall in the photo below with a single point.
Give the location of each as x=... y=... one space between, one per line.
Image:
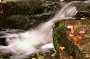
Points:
x=21 y=45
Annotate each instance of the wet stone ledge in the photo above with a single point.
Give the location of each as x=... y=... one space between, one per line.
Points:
x=75 y=39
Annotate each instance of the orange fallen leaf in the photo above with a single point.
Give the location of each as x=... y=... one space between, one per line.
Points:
x=61 y=48
x=71 y=57
x=74 y=38
x=79 y=37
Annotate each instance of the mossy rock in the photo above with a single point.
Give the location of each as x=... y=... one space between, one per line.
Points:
x=77 y=49
x=17 y=22
x=58 y=36
x=22 y=8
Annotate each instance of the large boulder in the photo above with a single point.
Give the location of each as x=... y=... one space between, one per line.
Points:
x=76 y=41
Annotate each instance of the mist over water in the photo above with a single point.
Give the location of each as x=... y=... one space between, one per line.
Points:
x=21 y=45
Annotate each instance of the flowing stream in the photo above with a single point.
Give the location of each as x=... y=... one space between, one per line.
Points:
x=21 y=45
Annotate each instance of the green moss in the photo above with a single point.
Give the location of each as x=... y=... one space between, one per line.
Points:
x=17 y=22
x=29 y=7
x=22 y=8
x=57 y=35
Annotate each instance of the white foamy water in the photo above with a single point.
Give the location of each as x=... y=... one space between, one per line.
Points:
x=21 y=45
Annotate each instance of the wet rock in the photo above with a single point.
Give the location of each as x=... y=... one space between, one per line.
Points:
x=83 y=10
x=50 y=6
x=13 y=18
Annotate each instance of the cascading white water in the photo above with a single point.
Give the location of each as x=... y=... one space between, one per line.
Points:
x=21 y=45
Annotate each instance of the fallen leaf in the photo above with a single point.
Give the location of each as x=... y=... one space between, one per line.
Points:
x=72 y=30
x=33 y=58
x=71 y=57
x=40 y=57
x=71 y=35
x=61 y=48
x=74 y=38
x=52 y=55
x=79 y=37
x=81 y=32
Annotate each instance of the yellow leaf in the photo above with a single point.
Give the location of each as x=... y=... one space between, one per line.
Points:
x=33 y=58
x=61 y=48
